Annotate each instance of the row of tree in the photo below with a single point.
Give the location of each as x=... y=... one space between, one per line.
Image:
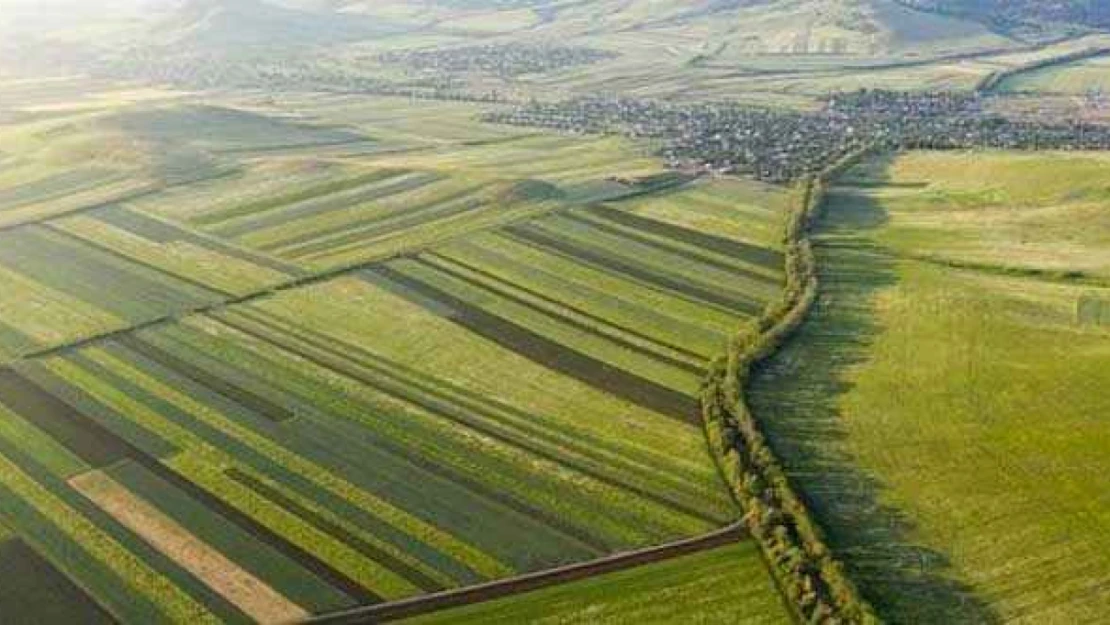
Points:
x=806 y=572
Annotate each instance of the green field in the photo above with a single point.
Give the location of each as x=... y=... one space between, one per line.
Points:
x=724 y=585
x=941 y=411
x=363 y=362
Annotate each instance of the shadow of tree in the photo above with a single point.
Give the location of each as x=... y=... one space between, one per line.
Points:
x=796 y=396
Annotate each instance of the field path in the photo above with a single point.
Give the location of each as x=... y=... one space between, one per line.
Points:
x=424 y=604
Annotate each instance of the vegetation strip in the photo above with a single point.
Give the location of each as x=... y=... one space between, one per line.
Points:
x=817 y=588
x=397 y=610
x=554 y=355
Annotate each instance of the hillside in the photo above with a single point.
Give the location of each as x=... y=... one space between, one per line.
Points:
x=1022 y=14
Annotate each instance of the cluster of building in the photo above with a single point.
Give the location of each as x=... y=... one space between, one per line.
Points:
x=502 y=60
x=782 y=145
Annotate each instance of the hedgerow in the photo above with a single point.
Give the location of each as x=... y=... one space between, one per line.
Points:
x=813 y=581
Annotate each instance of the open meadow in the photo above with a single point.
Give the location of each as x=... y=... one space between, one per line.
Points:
x=942 y=410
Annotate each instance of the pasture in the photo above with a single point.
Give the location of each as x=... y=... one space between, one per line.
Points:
x=942 y=411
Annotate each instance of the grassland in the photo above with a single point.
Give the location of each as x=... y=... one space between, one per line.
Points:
x=325 y=359
x=725 y=585
x=940 y=410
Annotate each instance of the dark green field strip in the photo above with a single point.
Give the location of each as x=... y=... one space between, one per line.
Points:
x=123 y=289
x=619 y=352
x=670 y=246
x=621 y=301
x=506 y=424
x=120 y=426
x=255 y=556
x=730 y=248
x=377 y=225
x=94 y=445
x=211 y=293
x=250 y=457
x=418 y=578
x=163 y=232
x=156 y=560
x=118 y=449
x=32 y=590
x=384 y=187
x=619 y=267
x=223 y=386
x=554 y=356
x=677 y=266
x=693 y=363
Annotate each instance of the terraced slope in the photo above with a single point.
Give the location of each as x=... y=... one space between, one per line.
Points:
x=942 y=410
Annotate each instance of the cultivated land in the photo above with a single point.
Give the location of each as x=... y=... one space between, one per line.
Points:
x=286 y=330
x=941 y=410
x=334 y=366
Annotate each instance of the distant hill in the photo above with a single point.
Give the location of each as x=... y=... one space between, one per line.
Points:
x=738 y=27
x=211 y=25
x=1016 y=14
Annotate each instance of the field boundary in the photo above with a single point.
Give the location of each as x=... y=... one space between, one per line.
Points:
x=814 y=584
x=424 y=604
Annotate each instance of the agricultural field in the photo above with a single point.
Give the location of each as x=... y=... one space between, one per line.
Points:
x=727 y=585
x=941 y=410
x=309 y=380
x=1089 y=76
